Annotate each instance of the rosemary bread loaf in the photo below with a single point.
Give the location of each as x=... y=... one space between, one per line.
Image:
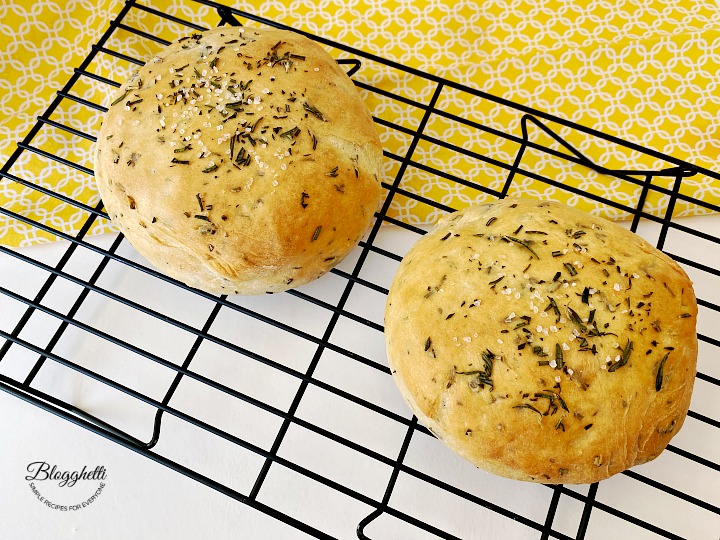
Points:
x=542 y=343
x=240 y=160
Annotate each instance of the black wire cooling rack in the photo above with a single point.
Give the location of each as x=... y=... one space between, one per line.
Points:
x=196 y=341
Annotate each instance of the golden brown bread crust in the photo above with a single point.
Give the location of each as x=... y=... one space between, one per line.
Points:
x=541 y=343
x=240 y=161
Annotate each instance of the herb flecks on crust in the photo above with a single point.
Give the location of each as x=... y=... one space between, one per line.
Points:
x=591 y=333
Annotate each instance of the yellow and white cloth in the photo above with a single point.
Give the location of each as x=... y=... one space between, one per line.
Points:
x=646 y=71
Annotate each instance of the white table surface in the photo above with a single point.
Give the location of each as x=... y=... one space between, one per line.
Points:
x=145 y=500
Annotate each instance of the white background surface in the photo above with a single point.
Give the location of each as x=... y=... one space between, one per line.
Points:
x=145 y=500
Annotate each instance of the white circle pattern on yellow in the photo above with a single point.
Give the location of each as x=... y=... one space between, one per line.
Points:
x=646 y=71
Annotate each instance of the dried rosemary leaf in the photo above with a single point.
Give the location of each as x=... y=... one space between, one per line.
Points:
x=659 y=376
x=118 y=100
x=527 y=406
x=623 y=358
x=313 y=110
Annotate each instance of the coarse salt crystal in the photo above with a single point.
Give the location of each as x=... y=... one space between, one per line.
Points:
x=510 y=317
x=557 y=378
x=617 y=287
x=500 y=341
x=553 y=363
x=565 y=347
x=570 y=371
x=553 y=328
x=467 y=339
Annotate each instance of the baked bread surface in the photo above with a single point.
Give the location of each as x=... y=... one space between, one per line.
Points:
x=541 y=343
x=240 y=160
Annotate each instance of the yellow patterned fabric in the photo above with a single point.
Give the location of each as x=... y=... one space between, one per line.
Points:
x=645 y=71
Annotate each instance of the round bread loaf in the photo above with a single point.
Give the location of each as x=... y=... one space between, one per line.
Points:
x=240 y=160
x=542 y=343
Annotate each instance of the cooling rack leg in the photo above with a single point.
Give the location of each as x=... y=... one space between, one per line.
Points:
x=557 y=490
x=585 y=519
x=391 y=483
x=516 y=164
x=669 y=211
x=186 y=364
x=641 y=202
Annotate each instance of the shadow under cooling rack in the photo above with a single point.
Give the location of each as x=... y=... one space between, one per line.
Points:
x=293 y=389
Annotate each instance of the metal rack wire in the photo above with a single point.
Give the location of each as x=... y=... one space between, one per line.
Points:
x=162 y=411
